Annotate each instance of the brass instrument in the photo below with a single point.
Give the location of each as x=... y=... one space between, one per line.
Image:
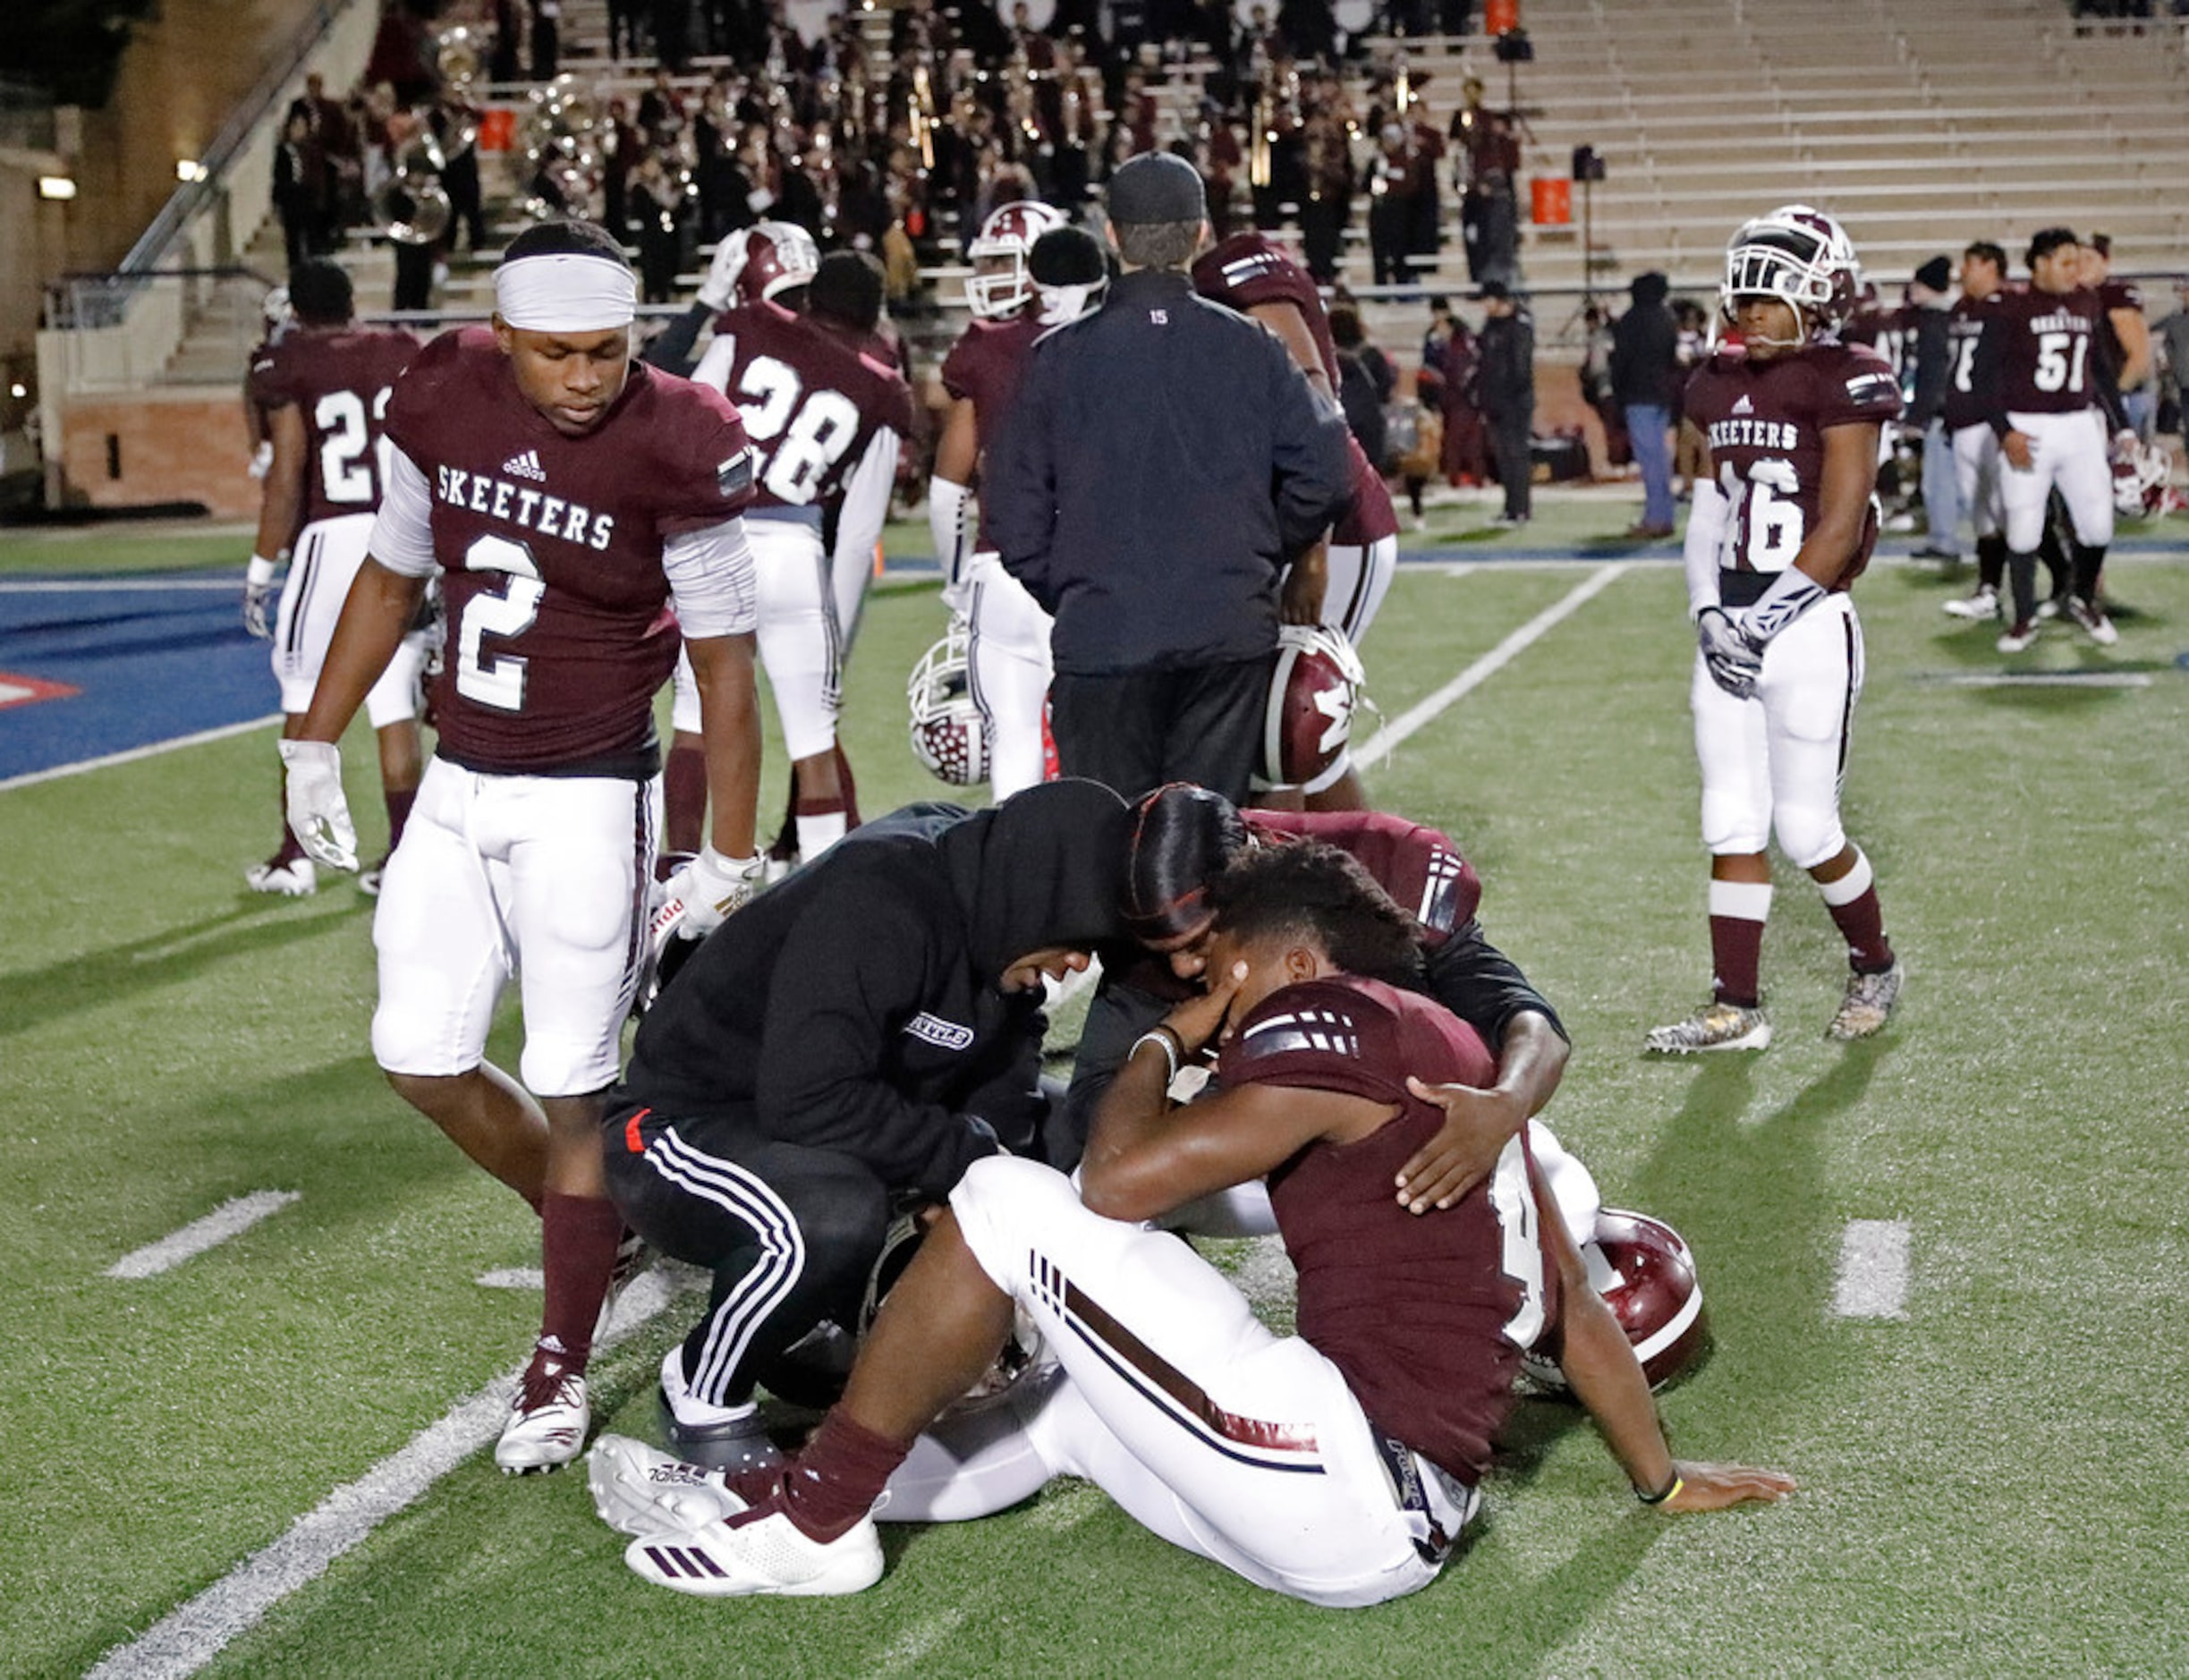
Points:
x=923 y=115
x=411 y=207
x=456 y=57
x=565 y=140
x=1262 y=142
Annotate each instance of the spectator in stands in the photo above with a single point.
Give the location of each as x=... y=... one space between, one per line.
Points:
x=1366 y=381
x=1596 y=384
x=1490 y=227
x=1930 y=351
x=1687 y=451
x=1646 y=382
x=1466 y=445
x=1327 y=167
x=657 y=213
x=1507 y=381
x=297 y=192
x=1397 y=182
x=546 y=38
x=1428 y=376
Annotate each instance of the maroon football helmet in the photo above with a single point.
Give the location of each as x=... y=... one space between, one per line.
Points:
x=1646 y=1275
x=770 y=259
x=1312 y=694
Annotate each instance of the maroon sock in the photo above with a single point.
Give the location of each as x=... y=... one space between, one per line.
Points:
x=850 y=789
x=398 y=814
x=578 y=1236
x=684 y=799
x=1736 y=960
x=290 y=850
x=834 y=1482
x=1861 y=922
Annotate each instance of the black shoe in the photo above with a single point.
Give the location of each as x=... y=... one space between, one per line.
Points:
x=741 y=1443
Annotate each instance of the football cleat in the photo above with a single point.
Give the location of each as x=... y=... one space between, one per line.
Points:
x=1868 y=1005
x=547 y=1421
x=1983 y=604
x=1646 y=1275
x=2050 y=607
x=297 y=879
x=639 y=1490
x=634 y=1257
x=764 y=1557
x=2091 y=620
x=1721 y=1026
x=2019 y=635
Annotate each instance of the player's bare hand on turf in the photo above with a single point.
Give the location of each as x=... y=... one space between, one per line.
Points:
x=1716 y=1487
x=1478 y=1124
x=1198 y=1020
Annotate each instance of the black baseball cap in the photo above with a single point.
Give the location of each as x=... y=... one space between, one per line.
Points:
x=1156 y=187
x=1492 y=291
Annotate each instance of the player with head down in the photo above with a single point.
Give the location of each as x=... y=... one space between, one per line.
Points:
x=1783 y=524
x=1338 y=1465
x=565 y=499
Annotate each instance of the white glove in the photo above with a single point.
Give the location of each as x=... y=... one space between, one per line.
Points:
x=259 y=593
x=1792 y=592
x=2127 y=446
x=722 y=273
x=1734 y=662
x=318 y=813
x=702 y=894
x=262 y=459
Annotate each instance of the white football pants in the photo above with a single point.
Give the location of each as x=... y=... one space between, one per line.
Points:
x=2068 y=453
x=1008 y=660
x=799 y=647
x=1977 y=466
x=322 y=566
x=1225 y=1438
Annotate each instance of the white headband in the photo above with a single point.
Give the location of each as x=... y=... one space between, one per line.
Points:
x=566 y=292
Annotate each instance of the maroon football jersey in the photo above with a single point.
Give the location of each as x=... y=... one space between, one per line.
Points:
x=1765 y=423
x=2039 y=354
x=984 y=367
x=2116 y=294
x=340 y=378
x=1419 y=1313
x=1246 y=269
x=811 y=403
x=550 y=554
x=1964 y=330
x=1421 y=869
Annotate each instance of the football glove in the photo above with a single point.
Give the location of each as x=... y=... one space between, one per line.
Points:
x=1733 y=660
x=722 y=274
x=262 y=459
x=318 y=813
x=259 y=591
x=1792 y=592
x=702 y=895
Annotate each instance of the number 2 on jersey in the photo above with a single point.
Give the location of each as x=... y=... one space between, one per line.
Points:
x=802 y=433
x=497 y=682
x=340 y=416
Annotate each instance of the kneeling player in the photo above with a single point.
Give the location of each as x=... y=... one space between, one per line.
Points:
x=1338 y=1465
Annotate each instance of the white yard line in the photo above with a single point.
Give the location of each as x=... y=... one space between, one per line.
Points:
x=1873 y=1270
x=152 y=750
x=183 y=1641
x=1388 y=739
x=911 y=1648
x=515 y=1277
x=100 y=586
x=2044 y=679
x=231 y=1218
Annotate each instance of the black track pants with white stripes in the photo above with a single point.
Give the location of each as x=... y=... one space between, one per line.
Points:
x=790 y=1234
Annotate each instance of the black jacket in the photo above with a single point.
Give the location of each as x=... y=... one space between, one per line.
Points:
x=1932 y=355
x=1506 y=378
x=1163 y=460
x=854 y=1006
x=1645 y=356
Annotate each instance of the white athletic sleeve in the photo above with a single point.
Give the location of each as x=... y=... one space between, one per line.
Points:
x=402 y=535
x=710 y=576
x=866 y=503
x=947 y=500
x=714 y=367
x=1708 y=514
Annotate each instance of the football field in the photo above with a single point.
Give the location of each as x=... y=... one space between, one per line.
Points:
x=264 y=1318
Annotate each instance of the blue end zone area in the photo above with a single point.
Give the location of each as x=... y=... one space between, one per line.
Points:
x=150 y=657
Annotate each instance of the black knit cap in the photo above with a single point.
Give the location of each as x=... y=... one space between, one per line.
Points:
x=1156 y=187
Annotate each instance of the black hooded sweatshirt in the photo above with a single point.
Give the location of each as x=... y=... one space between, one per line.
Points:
x=854 y=1005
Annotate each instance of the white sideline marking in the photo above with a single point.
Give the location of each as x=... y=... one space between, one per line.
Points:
x=2045 y=679
x=912 y=1647
x=515 y=1277
x=150 y=750
x=100 y=586
x=185 y=1639
x=1386 y=739
x=1873 y=1270
x=231 y=1218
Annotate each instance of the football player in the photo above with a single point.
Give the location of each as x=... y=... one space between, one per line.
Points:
x=1007 y=636
x=1783 y=519
x=1976 y=449
x=324 y=387
x=2125 y=334
x=1338 y=1466
x=826 y=419
x=1343 y=580
x=565 y=499
x=2046 y=385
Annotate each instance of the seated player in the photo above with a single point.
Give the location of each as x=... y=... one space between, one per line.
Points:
x=862 y=1032
x=1183 y=835
x=1338 y=1465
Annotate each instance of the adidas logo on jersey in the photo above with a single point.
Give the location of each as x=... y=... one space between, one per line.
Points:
x=1743 y=406
x=526 y=466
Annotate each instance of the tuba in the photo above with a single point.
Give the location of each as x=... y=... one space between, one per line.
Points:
x=411 y=207
x=456 y=57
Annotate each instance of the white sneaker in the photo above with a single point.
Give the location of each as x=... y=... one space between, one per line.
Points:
x=2017 y=636
x=1718 y=1027
x=1983 y=604
x=296 y=879
x=2090 y=619
x=1867 y=1007
x=770 y=1558
x=638 y=1490
x=546 y=1424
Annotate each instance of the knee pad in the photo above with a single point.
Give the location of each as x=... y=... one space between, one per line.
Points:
x=1731 y=825
x=1809 y=834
